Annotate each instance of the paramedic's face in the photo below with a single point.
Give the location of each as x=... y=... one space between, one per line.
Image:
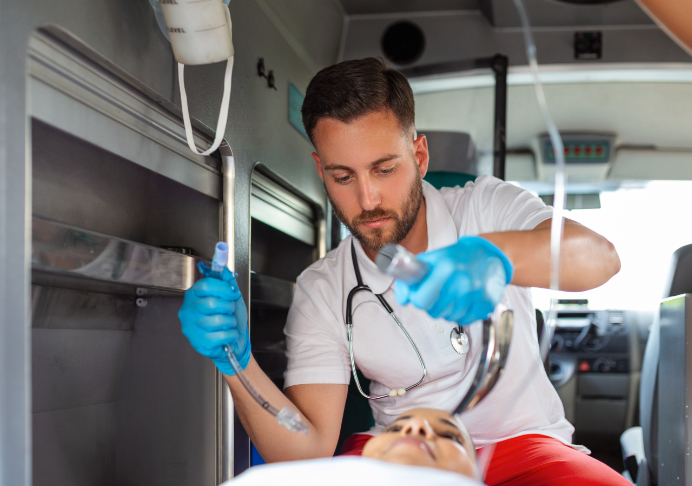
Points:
x=426 y=437
x=372 y=172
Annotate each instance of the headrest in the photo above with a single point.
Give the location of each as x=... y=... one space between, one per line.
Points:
x=452 y=159
x=451 y=152
x=680 y=277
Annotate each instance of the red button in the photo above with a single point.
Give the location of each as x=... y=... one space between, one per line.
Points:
x=577 y=150
x=587 y=150
x=599 y=150
x=566 y=150
x=584 y=366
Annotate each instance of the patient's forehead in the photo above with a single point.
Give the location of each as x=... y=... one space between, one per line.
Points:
x=432 y=414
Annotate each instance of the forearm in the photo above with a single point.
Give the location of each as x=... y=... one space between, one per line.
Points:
x=273 y=441
x=587 y=260
x=675 y=17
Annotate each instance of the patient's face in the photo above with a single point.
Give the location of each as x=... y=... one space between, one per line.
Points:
x=426 y=437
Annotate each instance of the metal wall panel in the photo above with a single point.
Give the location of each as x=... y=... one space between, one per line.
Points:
x=75 y=367
x=81 y=184
x=166 y=407
x=88 y=433
x=280 y=209
x=54 y=308
x=80 y=97
x=128 y=42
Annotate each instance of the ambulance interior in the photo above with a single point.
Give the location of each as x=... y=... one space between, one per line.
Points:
x=108 y=391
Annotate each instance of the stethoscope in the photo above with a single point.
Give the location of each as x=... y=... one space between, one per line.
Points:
x=458 y=337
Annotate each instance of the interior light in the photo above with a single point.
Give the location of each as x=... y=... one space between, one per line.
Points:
x=560 y=74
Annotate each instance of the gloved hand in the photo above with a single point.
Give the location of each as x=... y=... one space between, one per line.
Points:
x=466 y=281
x=214 y=314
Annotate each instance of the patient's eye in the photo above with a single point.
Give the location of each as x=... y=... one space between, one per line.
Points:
x=452 y=436
x=393 y=428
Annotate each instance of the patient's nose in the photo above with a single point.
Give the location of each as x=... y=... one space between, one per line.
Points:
x=418 y=427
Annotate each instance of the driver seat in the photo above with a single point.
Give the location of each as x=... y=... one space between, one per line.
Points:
x=640 y=447
x=452 y=160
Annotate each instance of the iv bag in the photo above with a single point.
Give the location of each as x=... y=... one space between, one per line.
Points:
x=200 y=32
x=158 y=13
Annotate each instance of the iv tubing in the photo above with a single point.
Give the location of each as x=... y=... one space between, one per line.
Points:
x=287 y=417
x=557 y=225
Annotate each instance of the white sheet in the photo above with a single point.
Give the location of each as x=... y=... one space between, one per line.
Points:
x=347 y=471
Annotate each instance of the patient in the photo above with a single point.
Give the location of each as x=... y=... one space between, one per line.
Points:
x=422 y=446
x=426 y=437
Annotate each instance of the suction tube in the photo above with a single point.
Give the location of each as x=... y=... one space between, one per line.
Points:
x=287 y=417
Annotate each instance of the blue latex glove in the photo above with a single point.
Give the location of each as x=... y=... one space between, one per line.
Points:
x=465 y=283
x=214 y=314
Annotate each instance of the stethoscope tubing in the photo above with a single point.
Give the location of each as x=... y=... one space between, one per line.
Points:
x=349 y=325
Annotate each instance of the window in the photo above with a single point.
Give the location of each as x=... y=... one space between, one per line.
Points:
x=646 y=225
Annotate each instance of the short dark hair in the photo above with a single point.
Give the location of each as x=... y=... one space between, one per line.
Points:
x=351 y=89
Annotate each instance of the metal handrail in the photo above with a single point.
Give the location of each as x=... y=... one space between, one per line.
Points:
x=226 y=432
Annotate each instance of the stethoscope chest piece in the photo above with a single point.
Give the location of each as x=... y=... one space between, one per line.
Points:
x=459 y=340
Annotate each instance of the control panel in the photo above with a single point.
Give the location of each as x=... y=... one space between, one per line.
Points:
x=591 y=332
x=604 y=365
x=589 y=342
x=581 y=151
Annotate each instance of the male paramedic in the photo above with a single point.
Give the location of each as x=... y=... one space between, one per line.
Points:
x=360 y=117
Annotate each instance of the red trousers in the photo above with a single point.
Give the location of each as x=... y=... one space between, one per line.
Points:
x=531 y=460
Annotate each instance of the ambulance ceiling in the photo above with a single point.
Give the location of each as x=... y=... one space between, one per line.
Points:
x=501 y=13
x=368 y=7
x=655 y=117
x=642 y=114
x=326 y=31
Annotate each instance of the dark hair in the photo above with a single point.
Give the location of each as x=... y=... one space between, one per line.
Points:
x=351 y=89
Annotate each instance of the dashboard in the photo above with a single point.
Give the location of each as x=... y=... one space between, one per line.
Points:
x=595 y=363
x=599 y=338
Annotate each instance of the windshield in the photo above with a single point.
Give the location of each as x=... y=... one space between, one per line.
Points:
x=646 y=225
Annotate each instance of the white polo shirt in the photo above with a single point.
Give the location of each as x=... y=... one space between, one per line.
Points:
x=317 y=340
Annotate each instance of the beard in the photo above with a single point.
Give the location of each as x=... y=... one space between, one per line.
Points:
x=374 y=239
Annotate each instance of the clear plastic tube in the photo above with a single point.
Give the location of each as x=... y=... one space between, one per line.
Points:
x=557 y=226
x=287 y=417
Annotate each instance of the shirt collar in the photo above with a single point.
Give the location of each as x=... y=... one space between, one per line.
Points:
x=442 y=232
